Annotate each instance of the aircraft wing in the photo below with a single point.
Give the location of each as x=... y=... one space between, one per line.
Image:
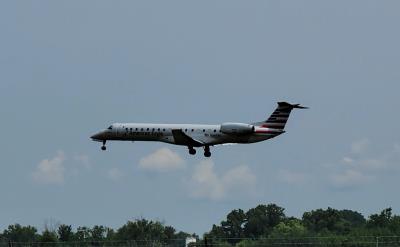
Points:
x=182 y=139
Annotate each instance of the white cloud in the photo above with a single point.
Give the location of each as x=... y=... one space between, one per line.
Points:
x=365 y=163
x=348 y=160
x=115 y=174
x=239 y=177
x=205 y=183
x=162 y=160
x=291 y=177
x=359 y=167
x=50 y=171
x=360 y=146
x=350 y=178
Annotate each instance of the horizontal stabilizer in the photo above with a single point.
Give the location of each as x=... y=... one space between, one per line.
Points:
x=287 y=105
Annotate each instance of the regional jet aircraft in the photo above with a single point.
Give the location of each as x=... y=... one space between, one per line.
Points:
x=200 y=135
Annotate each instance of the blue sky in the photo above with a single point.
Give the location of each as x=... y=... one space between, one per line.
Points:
x=70 y=68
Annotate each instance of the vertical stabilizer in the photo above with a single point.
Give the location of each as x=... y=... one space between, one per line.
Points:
x=280 y=116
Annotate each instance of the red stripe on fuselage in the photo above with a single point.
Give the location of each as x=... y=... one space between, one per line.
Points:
x=264 y=130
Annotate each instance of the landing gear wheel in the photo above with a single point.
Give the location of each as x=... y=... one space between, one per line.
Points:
x=104 y=145
x=192 y=151
x=207 y=152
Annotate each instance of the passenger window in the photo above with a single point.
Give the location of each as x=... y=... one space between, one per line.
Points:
x=148 y=129
x=215 y=130
x=163 y=129
x=204 y=130
x=185 y=130
x=192 y=130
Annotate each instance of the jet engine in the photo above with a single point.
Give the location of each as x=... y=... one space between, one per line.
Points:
x=237 y=128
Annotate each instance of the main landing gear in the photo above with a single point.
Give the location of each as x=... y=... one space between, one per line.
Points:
x=192 y=151
x=104 y=145
x=207 y=152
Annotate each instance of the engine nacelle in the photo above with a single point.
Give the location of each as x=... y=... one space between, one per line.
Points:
x=237 y=128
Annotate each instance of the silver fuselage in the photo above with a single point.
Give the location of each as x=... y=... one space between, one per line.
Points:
x=206 y=134
x=200 y=135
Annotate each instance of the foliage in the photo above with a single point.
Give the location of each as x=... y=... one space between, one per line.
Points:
x=267 y=225
x=18 y=233
x=381 y=220
x=332 y=220
x=48 y=237
x=292 y=228
x=98 y=233
x=82 y=234
x=254 y=223
x=385 y=221
x=65 y=233
x=233 y=226
x=264 y=225
x=140 y=229
x=354 y=218
x=262 y=219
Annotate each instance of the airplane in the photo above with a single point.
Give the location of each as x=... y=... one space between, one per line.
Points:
x=200 y=135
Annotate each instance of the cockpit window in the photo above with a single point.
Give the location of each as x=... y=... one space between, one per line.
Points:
x=110 y=128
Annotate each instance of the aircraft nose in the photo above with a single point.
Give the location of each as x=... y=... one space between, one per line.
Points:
x=98 y=136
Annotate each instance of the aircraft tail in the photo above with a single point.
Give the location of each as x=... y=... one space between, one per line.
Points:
x=280 y=116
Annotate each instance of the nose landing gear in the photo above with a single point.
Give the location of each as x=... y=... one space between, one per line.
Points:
x=104 y=145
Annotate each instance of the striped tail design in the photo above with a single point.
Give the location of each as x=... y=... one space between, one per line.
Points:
x=280 y=116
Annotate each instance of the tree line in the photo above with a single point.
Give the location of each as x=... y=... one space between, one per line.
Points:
x=256 y=227
x=267 y=224
x=139 y=232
